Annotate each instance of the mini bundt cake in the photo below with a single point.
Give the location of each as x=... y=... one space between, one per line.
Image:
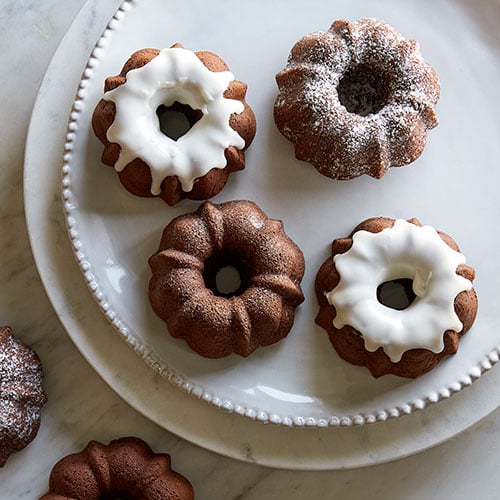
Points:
x=21 y=394
x=183 y=289
x=196 y=165
x=395 y=296
x=126 y=468
x=356 y=99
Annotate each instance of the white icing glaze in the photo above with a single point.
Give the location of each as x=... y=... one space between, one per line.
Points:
x=175 y=74
x=402 y=251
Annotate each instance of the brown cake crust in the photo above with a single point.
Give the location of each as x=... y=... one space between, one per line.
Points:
x=194 y=246
x=126 y=467
x=356 y=99
x=349 y=343
x=21 y=394
x=136 y=177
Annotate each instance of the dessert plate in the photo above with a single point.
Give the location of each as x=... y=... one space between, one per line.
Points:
x=129 y=376
x=299 y=381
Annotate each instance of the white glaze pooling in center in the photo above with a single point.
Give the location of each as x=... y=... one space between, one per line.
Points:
x=401 y=251
x=175 y=74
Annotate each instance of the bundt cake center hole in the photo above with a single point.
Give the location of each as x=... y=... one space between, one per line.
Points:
x=225 y=276
x=227 y=280
x=177 y=120
x=397 y=294
x=364 y=90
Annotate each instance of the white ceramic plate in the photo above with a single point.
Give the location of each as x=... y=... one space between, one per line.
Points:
x=203 y=424
x=299 y=381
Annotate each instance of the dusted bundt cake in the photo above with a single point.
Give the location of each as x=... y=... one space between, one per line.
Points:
x=359 y=290
x=356 y=99
x=126 y=468
x=21 y=394
x=183 y=289
x=196 y=165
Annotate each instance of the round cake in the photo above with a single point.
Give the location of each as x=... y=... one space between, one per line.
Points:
x=395 y=296
x=154 y=83
x=356 y=99
x=21 y=394
x=195 y=247
x=125 y=468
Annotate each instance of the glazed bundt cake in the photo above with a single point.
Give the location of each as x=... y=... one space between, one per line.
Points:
x=359 y=290
x=183 y=289
x=196 y=165
x=356 y=99
x=21 y=394
x=126 y=468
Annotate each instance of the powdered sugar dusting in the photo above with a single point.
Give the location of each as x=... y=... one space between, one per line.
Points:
x=21 y=394
x=356 y=99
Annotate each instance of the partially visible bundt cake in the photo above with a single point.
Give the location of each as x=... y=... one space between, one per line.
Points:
x=356 y=99
x=126 y=468
x=183 y=289
x=21 y=394
x=196 y=165
x=395 y=296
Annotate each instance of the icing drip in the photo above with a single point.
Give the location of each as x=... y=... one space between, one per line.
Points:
x=402 y=251
x=174 y=75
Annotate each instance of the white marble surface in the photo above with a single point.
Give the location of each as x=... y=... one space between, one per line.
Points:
x=463 y=467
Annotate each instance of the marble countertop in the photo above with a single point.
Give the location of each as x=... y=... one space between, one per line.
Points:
x=466 y=466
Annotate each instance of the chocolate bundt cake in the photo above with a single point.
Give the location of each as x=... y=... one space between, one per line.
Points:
x=125 y=468
x=395 y=296
x=356 y=99
x=183 y=289
x=195 y=165
x=21 y=394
